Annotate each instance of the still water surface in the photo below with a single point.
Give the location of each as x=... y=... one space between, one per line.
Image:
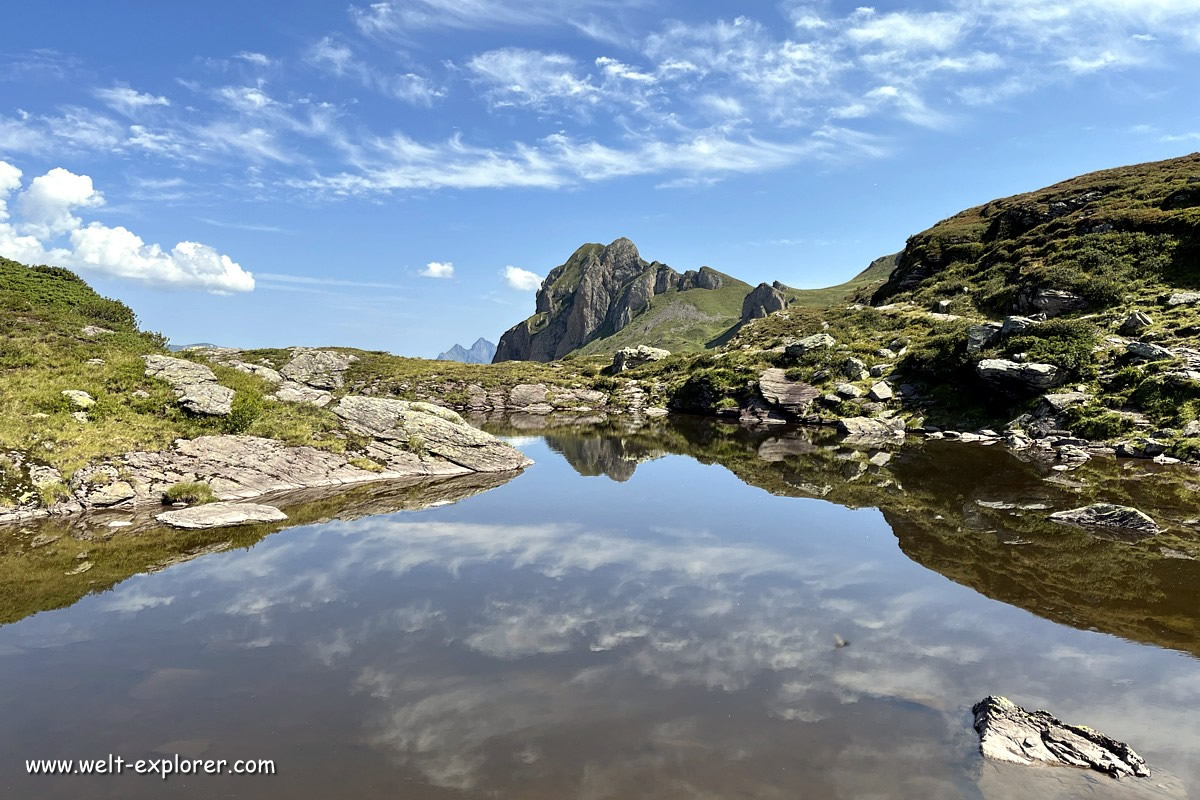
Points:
x=625 y=621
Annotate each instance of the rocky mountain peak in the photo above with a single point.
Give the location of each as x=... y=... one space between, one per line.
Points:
x=598 y=291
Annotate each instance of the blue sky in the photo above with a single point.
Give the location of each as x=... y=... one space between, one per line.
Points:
x=394 y=175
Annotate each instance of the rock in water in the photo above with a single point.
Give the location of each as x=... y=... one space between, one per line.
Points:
x=1107 y=515
x=1009 y=733
x=220 y=515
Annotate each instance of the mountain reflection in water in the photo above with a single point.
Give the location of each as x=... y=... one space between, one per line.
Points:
x=670 y=633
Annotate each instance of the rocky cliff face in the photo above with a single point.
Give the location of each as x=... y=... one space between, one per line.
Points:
x=764 y=300
x=597 y=292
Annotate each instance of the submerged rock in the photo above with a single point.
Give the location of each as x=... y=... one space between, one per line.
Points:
x=220 y=515
x=1107 y=515
x=1009 y=733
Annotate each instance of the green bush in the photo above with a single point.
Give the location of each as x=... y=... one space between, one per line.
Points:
x=192 y=493
x=246 y=409
x=1066 y=343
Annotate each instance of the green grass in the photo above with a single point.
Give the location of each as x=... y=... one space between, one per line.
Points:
x=193 y=493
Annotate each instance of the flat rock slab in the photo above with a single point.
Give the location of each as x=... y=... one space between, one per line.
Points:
x=397 y=425
x=1009 y=733
x=321 y=369
x=220 y=515
x=792 y=396
x=195 y=385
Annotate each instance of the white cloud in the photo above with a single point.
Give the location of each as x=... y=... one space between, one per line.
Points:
x=521 y=279
x=257 y=59
x=513 y=76
x=10 y=180
x=128 y=101
x=45 y=207
x=337 y=57
x=402 y=18
x=438 y=269
x=46 y=231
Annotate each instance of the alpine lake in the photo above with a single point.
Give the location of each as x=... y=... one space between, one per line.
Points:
x=678 y=609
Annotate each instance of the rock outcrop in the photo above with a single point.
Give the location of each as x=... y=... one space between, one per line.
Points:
x=598 y=292
x=630 y=357
x=405 y=431
x=321 y=369
x=871 y=429
x=1010 y=375
x=764 y=300
x=794 y=397
x=1009 y=733
x=194 y=384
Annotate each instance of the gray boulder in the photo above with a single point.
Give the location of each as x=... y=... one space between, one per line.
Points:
x=322 y=369
x=261 y=371
x=1147 y=351
x=1183 y=299
x=194 y=384
x=630 y=357
x=1016 y=325
x=91 y=331
x=794 y=397
x=1107 y=515
x=403 y=425
x=982 y=336
x=854 y=369
x=848 y=390
x=1141 y=448
x=1135 y=323
x=881 y=392
x=869 y=428
x=1009 y=374
x=220 y=515
x=1009 y=733
x=293 y=392
x=79 y=398
x=1053 y=302
x=810 y=344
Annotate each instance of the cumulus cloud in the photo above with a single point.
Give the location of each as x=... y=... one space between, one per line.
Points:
x=521 y=279
x=45 y=229
x=438 y=269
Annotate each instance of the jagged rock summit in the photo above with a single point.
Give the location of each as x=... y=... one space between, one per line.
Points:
x=482 y=352
x=604 y=291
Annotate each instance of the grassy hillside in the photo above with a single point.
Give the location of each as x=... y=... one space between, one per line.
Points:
x=1115 y=237
x=867 y=280
x=680 y=321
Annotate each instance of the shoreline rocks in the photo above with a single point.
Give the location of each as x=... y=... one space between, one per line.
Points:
x=1107 y=515
x=1009 y=733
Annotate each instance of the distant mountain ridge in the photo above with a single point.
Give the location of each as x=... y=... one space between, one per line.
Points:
x=481 y=352
x=604 y=298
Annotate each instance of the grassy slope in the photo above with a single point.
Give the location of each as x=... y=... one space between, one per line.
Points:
x=869 y=279
x=43 y=352
x=681 y=322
